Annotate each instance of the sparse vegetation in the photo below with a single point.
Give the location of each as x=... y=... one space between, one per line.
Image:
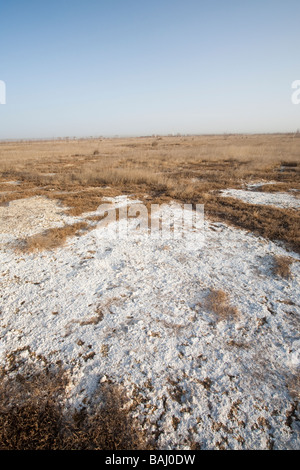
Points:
x=188 y=169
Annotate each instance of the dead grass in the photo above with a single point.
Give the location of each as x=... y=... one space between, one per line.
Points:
x=282 y=266
x=33 y=416
x=51 y=238
x=218 y=302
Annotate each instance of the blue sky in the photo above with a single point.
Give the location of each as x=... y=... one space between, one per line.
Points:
x=89 y=68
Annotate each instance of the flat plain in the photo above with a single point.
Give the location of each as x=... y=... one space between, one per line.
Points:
x=140 y=342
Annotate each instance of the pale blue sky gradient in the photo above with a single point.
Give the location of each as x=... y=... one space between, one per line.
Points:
x=90 y=68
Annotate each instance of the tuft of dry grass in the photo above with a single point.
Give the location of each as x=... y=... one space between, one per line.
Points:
x=33 y=416
x=218 y=302
x=51 y=238
x=282 y=265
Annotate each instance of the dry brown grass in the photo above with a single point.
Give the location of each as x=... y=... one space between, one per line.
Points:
x=218 y=302
x=51 y=238
x=282 y=266
x=33 y=416
x=138 y=161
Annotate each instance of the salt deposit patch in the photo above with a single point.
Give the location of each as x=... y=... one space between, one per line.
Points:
x=196 y=378
x=25 y=217
x=278 y=199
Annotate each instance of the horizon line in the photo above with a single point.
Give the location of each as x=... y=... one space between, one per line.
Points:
x=144 y=136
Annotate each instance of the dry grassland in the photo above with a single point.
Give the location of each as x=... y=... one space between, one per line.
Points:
x=189 y=169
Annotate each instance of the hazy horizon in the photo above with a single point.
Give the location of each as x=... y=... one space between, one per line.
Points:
x=141 y=136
